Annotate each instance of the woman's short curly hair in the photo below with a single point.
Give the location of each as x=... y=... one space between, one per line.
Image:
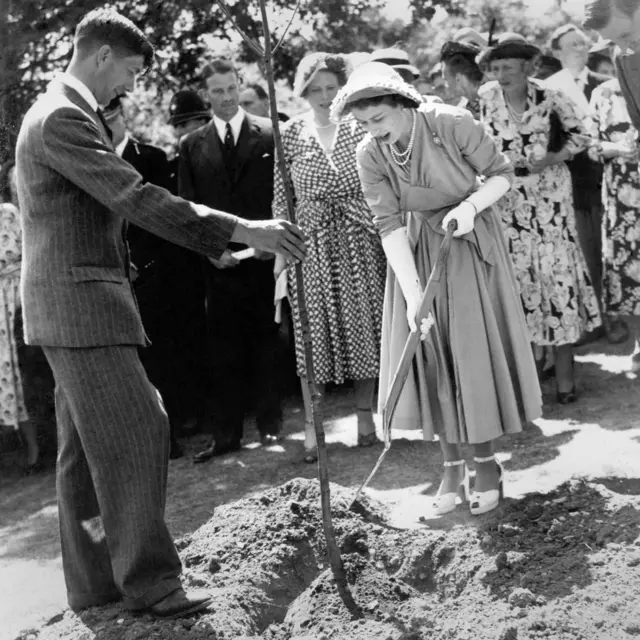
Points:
x=319 y=61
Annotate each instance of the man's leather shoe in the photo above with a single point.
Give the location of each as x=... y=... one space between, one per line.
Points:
x=180 y=603
x=216 y=449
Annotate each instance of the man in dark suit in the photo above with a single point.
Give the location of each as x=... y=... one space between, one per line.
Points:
x=169 y=288
x=229 y=164
x=571 y=46
x=255 y=100
x=75 y=197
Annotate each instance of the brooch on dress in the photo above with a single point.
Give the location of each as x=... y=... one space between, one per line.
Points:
x=437 y=140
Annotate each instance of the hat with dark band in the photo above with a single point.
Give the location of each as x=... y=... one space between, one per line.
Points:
x=509 y=45
x=187 y=105
x=370 y=80
x=396 y=58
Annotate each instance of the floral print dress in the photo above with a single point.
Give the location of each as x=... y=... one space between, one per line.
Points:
x=621 y=199
x=12 y=406
x=538 y=215
x=345 y=270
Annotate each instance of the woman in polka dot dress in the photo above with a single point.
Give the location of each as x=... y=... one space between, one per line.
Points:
x=344 y=274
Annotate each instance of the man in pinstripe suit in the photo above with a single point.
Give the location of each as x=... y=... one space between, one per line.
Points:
x=76 y=195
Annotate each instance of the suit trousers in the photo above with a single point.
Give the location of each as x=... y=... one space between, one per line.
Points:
x=113 y=457
x=246 y=352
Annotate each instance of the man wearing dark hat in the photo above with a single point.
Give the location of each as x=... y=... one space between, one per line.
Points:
x=187 y=112
x=571 y=46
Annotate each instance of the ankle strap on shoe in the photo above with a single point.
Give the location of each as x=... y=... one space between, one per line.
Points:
x=455 y=463
x=487 y=459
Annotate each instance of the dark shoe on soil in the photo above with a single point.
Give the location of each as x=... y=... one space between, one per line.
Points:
x=367 y=440
x=216 y=449
x=567 y=398
x=180 y=604
x=310 y=455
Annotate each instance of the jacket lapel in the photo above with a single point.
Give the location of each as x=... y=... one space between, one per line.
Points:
x=210 y=156
x=248 y=141
x=80 y=102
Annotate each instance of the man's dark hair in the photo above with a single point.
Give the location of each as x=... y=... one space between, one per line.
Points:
x=220 y=65
x=259 y=90
x=598 y=12
x=461 y=64
x=105 y=26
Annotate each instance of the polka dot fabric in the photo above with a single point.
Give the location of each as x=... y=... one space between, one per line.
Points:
x=345 y=271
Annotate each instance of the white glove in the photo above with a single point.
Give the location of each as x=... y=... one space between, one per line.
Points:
x=413 y=304
x=464 y=214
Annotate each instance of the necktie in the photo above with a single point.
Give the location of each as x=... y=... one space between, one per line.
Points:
x=229 y=143
x=107 y=128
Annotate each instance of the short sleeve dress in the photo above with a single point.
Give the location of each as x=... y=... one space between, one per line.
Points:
x=475 y=378
x=345 y=269
x=12 y=405
x=621 y=199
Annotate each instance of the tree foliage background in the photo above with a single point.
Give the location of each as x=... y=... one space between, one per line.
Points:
x=36 y=35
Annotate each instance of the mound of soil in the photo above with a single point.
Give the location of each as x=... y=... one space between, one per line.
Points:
x=562 y=565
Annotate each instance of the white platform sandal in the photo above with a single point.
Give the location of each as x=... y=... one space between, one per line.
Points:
x=446 y=502
x=485 y=501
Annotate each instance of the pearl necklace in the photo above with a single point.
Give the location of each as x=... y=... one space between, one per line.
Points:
x=401 y=158
x=516 y=115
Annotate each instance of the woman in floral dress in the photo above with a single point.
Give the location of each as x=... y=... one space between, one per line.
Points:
x=345 y=270
x=537 y=214
x=617 y=148
x=13 y=412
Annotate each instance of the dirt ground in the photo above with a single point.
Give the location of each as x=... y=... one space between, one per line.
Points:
x=559 y=559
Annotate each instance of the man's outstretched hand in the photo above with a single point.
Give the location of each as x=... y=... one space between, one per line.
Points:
x=275 y=236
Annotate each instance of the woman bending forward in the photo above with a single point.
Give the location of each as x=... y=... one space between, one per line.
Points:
x=474 y=378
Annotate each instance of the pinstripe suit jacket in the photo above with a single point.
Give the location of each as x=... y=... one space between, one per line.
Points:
x=76 y=195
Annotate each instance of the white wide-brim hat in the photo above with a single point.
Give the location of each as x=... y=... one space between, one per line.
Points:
x=370 y=80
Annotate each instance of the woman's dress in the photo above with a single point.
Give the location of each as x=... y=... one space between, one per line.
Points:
x=538 y=216
x=621 y=199
x=345 y=269
x=475 y=378
x=12 y=405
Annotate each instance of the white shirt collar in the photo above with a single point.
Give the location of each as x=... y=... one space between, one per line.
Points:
x=583 y=78
x=80 y=87
x=120 y=148
x=235 y=122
